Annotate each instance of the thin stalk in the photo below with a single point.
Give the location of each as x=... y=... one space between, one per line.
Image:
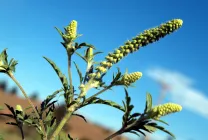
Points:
x=70 y=77
x=22 y=134
x=31 y=104
x=114 y=134
x=61 y=125
x=98 y=93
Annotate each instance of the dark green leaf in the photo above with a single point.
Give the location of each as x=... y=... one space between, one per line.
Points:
x=96 y=53
x=4 y=56
x=79 y=72
x=81 y=117
x=59 y=31
x=81 y=57
x=133 y=132
x=163 y=122
x=11 y=123
x=60 y=75
x=105 y=102
x=8 y=115
x=166 y=131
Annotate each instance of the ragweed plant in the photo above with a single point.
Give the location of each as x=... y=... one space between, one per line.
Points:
x=42 y=117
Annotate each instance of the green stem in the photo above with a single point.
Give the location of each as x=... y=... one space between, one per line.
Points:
x=30 y=102
x=114 y=134
x=61 y=125
x=70 y=77
x=99 y=93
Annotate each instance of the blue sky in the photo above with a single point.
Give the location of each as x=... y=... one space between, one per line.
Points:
x=27 y=30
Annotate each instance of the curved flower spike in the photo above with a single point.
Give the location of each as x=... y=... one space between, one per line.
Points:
x=163 y=110
x=145 y=38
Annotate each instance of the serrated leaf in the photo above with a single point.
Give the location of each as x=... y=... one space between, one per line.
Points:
x=148 y=106
x=79 y=72
x=61 y=76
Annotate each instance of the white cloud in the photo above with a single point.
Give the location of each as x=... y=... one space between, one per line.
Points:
x=181 y=90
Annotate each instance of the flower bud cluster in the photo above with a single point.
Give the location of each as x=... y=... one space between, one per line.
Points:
x=163 y=110
x=71 y=30
x=129 y=79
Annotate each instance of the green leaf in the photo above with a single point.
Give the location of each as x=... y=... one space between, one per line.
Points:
x=79 y=72
x=164 y=130
x=70 y=138
x=4 y=56
x=81 y=57
x=133 y=132
x=80 y=116
x=163 y=122
x=150 y=128
x=148 y=106
x=61 y=76
x=96 y=53
x=87 y=45
x=97 y=100
x=11 y=123
x=12 y=65
x=59 y=31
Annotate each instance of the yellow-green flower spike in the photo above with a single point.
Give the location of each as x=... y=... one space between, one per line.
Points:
x=145 y=38
x=71 y=30
x=129 y=79
x=19 y=108
x=163 y=110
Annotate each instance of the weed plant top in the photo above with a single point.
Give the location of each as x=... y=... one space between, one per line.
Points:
x=42 y=117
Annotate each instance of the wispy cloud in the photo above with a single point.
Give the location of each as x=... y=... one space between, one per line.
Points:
x=181 y=90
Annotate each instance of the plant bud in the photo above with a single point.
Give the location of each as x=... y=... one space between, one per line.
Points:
x=89 y=54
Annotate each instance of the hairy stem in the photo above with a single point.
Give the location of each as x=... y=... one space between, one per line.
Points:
x=31 y=104
x=114 y=134
x=61 y=125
